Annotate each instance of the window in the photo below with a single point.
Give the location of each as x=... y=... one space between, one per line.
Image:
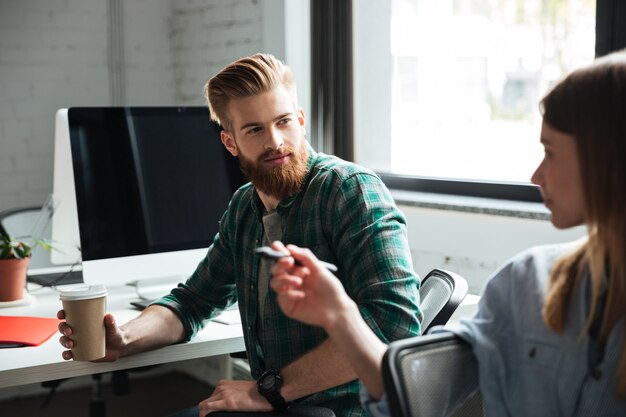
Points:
x=450 y=88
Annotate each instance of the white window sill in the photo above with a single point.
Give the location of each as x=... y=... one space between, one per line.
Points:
x=520 y=209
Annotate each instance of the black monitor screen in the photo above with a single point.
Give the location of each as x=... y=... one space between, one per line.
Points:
x=148 y=179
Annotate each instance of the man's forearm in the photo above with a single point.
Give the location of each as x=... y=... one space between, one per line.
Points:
x=322 y=368
x=155 y=327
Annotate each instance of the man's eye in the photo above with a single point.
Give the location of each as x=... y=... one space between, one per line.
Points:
x=254 y=130
x=284 y=121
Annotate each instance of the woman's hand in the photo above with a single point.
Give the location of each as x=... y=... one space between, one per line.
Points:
x=307 y=291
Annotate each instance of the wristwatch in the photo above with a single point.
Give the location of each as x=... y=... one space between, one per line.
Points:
x=269 y=386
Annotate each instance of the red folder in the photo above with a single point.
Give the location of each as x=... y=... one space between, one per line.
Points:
x=26 y=331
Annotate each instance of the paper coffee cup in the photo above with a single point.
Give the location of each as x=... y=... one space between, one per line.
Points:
x=84 y=313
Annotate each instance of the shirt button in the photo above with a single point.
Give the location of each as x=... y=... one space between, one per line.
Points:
x=531 y=352
x=596 y=374
x=252 y=286
x=249 y=328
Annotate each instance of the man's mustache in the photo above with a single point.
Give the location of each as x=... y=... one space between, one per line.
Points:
x=274 y=154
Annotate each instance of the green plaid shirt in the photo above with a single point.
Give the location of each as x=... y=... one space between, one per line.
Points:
x=346 y=216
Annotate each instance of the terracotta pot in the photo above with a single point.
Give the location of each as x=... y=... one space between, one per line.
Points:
x=12 y=278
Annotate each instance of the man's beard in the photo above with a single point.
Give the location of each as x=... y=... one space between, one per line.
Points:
x=277 y=181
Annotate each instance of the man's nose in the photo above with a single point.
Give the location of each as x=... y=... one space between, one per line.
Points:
x=274 y=138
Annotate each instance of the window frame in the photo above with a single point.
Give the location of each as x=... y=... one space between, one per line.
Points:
x=332 y=87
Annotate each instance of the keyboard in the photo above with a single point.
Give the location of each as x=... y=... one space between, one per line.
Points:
x=57 y=278
x=230 y=316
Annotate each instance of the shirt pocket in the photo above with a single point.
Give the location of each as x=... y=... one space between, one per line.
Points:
x=540 y=353
x=323 y=252
x=537 y=382
x=317 y=244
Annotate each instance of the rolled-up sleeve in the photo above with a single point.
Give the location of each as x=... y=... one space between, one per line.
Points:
x=209 y=290
x=371 y=238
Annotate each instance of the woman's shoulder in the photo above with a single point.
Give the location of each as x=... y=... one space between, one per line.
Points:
x=530 y=269
x=543 y=257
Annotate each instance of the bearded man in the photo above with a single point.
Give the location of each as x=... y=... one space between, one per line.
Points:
x=340 y=211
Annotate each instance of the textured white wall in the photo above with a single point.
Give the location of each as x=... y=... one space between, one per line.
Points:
x=208 y=35
x=148 y=53
x=474 y=245
x=55 y=53
x=52 y=54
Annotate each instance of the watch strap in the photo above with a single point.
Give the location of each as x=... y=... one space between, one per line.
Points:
x=277 y=400
x=272 y=395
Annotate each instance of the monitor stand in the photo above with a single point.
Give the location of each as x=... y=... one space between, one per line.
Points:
x=153 y=288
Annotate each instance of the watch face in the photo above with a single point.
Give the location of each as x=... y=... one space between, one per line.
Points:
x=268 y=382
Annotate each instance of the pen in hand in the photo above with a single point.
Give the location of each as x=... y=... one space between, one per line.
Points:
x=269 y=253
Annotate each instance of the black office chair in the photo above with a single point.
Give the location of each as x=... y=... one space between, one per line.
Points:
x=441 y=293
x=432 y=376
x=22 y=218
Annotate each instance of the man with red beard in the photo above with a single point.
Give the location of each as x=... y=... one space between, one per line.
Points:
x=339 y=210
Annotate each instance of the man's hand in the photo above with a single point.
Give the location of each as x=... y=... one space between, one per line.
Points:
x=307 y=292
x=114 y=337
x=234 y=396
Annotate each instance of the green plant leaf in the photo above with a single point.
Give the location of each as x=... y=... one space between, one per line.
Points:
x=16 y=248
x=45 y=244
x=19 y=252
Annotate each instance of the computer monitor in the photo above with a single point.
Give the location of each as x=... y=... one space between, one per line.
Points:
x=143 y=187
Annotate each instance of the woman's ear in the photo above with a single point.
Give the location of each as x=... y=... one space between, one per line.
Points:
x=229 y=142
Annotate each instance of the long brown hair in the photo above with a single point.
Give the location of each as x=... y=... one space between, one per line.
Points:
x=590 y=104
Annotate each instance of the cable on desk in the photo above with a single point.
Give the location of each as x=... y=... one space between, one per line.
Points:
x=52 y=284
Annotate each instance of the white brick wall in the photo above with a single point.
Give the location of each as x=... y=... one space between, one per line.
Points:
x=206 y=36
x=149 y=77
x=53 y=54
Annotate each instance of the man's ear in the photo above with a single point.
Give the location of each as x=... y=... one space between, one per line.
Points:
x=229 y=142
x=301 y=116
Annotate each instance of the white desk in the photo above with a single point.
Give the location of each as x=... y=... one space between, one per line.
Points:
x=28 y=365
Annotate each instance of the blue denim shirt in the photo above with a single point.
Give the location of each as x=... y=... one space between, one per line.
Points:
x=525 y=368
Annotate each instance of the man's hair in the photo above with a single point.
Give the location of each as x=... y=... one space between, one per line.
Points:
x=590 y=105
x=246 y=77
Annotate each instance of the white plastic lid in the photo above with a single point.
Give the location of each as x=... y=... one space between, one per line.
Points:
x=83 y=293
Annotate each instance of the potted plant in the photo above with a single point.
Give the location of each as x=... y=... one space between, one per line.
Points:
x=15 y=255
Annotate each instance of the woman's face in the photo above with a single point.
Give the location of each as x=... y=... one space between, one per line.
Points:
x=558 y=176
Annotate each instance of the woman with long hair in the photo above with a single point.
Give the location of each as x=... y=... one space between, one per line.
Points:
x=549 y=332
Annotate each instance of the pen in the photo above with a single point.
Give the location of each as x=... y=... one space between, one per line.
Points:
x=269 y=253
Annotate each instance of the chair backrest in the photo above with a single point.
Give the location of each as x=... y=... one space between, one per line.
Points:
x=432 y=376
x=441 y=292
x=20 y=220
